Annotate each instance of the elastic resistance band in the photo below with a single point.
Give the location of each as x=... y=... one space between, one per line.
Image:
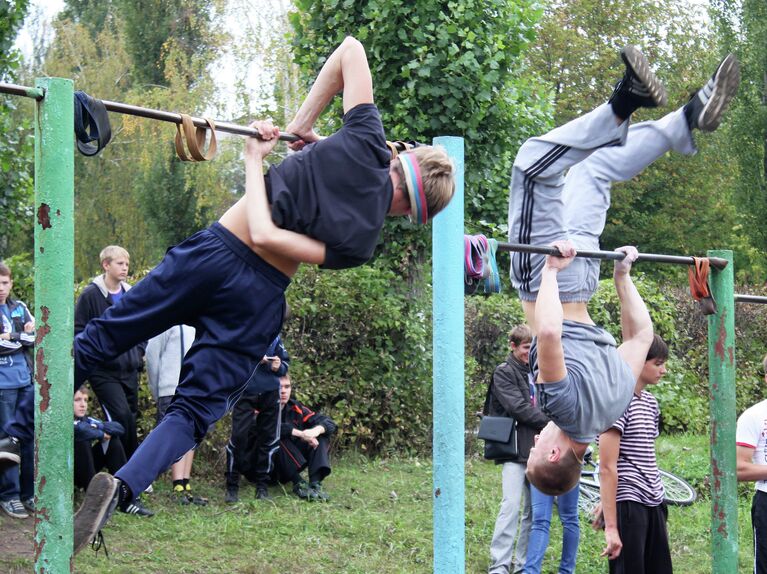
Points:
x=419 y=212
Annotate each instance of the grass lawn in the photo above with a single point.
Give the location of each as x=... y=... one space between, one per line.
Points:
x=379 y=520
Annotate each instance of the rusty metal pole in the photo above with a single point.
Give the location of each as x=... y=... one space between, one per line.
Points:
x=721 y=365
x=54 y=312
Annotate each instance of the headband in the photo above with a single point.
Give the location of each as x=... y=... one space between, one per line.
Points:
x=419 y=212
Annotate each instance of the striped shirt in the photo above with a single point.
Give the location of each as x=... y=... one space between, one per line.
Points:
x=638 y=476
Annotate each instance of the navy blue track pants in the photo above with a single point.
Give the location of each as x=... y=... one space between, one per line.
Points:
x=235 y=301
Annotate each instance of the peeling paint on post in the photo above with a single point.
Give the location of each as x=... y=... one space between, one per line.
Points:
x=448 y=373
x=54 y=277
x=721 y=366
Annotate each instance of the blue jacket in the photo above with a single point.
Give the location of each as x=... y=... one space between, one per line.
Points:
x=264 y=379
x=88 y=428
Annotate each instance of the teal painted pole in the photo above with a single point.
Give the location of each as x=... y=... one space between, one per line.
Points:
x=54 y=312
x=448 y=373
x=721 y=365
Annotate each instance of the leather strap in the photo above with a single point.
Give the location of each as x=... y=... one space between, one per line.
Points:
x=195 y=140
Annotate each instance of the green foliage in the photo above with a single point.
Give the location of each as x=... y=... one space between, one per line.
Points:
x=742 y=27
x=16 y=184
x=22 y=268
x=360 y=352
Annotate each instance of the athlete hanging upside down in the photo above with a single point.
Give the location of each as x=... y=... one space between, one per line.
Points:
x=328 y=205
x=585 y=380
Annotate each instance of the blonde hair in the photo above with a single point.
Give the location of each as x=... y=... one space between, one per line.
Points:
x=112 y=252
x=555 y=478
x=436 y=174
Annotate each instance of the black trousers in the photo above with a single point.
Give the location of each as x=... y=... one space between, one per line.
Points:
x=90 y=459
x=295 y=455
x=117 y=392
x=255 y=438
x=759 y=524
x=645 y=540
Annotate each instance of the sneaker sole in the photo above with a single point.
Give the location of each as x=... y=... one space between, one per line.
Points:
x=20 y=516
x=9 y=459
x=725 y=87
x=638 y=63
x=98 y=505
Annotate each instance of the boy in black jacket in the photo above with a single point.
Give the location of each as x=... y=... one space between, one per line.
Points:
x=304 y=443
x=114 y=382
x=509 y=395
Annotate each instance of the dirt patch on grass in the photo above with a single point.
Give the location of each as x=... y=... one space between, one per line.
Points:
x=16 y=543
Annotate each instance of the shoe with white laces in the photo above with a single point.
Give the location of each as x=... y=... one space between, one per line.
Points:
x=705 y=109
x=14 y=508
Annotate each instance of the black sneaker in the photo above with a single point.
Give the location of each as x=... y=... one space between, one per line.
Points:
x=232 y=495
x=137 y=507
x=317 y=492
x=29 y=504
x=262 y=493
x=97 y=507
x=301 y=490
x=705 y=109
x=10 y=452
x=639 y=87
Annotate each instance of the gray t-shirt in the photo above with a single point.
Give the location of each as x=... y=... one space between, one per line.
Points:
x=597 y=388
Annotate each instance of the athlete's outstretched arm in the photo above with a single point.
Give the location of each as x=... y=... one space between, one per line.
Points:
x=549 y=316
x=636 y=325
x=346 y=69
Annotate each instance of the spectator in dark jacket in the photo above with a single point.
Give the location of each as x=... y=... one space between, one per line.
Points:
x=98 y=445
x=255 y=434
x=115 y=383
x=510 y=395
x=304 y=443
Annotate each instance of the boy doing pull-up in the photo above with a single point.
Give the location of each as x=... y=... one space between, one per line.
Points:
x=585 y=380
x=328 y=204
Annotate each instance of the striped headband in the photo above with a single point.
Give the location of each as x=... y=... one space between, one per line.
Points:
x=419 y=212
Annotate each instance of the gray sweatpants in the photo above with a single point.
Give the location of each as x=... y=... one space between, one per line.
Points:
x=508 y=548
x=545 y=205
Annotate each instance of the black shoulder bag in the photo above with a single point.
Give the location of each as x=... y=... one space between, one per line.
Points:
x=499 y=434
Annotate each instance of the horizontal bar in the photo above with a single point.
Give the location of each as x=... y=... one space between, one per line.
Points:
x=176 y=119
x=16 y=90
x=715 y=262
x=749 y=298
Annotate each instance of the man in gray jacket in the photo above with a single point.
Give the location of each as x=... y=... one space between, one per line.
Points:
x=509 y=395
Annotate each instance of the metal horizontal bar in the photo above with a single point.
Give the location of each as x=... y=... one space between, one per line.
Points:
x=175 y=118
x=750 y=298
x=16 y=90
x=715 y=262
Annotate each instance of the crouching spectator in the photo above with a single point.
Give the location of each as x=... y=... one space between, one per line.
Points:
x=304 y=444
x=98 y=446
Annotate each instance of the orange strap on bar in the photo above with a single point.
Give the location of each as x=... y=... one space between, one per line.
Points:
x=698 y=277
x=195 y=140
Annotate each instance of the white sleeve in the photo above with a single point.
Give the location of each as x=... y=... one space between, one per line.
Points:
x=747 y=431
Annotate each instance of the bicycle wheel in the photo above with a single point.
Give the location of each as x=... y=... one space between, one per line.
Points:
x=588 y=501
x=677 y=490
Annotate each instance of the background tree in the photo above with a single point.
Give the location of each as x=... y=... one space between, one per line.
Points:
x=16 y=184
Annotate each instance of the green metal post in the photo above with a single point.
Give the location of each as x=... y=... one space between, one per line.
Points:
x=54 y=311
x=721 y=366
